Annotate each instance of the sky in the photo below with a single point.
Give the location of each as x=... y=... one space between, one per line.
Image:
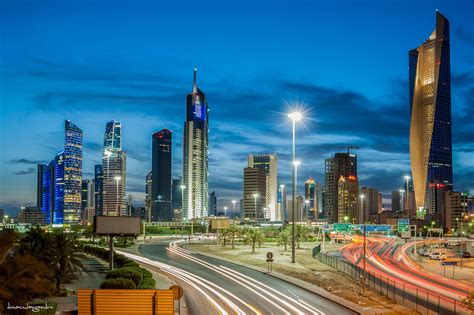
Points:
x=343 y=64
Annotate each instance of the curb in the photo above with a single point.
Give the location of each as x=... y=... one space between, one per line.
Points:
x=299 y=283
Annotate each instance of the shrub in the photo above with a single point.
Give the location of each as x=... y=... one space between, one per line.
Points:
x=148 y=283
x=119 y=283
x=131 y=264
x=126 y=273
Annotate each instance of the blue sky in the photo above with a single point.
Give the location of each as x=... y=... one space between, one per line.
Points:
x=345 y=63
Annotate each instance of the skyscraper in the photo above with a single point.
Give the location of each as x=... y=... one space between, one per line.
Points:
x=88 y=200
x=98 y=178
x=72 y=173
x=57 y=174
x=195 y=155
x=44 y=197
x=161 y=176
x=430 y=108
x=310 y=196
x=371 y=203
x=348 y=200
x=268 y=163
x=282 y=213
x=213 y=204
x=177 y=199
x=114 y=165
x=396 y=201
x=344 y=164
x=148 y=188
x=255 y=186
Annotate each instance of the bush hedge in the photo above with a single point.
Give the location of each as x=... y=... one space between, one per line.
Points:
x=127 y=268
x=119 y=283
x=126 y=273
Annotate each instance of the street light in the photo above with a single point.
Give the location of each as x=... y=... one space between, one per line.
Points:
x=225 y=211
x=233 y=203
x=362 y=196
x=306 y=204
x=255 y=196
x=117 y=178
x=407 y=178
x=402 y=192
x=294 y=116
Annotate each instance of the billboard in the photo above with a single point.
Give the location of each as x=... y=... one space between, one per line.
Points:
x=220 y=223
x=104 y=225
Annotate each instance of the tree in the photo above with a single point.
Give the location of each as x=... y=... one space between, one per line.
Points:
x=252 y=237
x=233 y=232
x=88 y=233
x=301 y=233
x=35 y=242
x=469 y=301
x=63 y=257
x=23 y=278
x=284 y=238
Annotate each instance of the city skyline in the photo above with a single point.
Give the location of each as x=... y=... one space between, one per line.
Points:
x=141 y=96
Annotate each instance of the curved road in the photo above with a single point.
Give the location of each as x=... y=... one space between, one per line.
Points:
x=213 y=286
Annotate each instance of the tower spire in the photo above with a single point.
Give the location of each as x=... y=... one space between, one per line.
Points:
x=194 y=81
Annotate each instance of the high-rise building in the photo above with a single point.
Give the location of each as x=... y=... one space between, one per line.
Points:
x=396 y=201
x=72 y=173
x=269 y=164
x=114 y=165
x=255 y=187
x=457 y=210
x=371 y=202
x=213 y=204
x=195 y=155
x=148 y=191
x=98 y=178
x=314 y=196
x=436 y=202
x=57 y=174
x=430 y=107
x=348 y=200
x=45 y=191
x=300 y=211
x=341 y=164
x=177 y=199
x=31 y=215
x=282 y=213
x=161 y=209
x=88 y=200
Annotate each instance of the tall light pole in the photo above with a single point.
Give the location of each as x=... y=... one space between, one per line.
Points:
x=362 y=196
x=306 y=203
x=407 y=178
x=117 y=179
x=402 y=191
x=107 y=154
x=295 y=116
x=233 y=203
x=255 y=196
x=225 y=212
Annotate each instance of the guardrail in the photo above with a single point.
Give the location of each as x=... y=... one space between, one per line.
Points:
x=420 y=299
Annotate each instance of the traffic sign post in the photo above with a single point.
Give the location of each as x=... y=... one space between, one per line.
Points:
x=448 y=263
x=269 y=261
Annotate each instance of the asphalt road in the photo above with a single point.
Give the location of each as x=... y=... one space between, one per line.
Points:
x=213 y=286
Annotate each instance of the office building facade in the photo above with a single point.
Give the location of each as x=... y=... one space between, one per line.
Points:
x=254 y=198
x=430 y=108
x=161 y=209
x=349 y=210
x=195 y=155
x=269 y=164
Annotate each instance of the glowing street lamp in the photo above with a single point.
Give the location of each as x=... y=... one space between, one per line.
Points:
x=407 y=178
x=294 y=116
x=225 y=211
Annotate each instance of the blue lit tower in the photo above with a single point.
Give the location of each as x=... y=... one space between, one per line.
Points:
x=57 y=166
x=161 y=209
x=430 y=108
x=195 y=155
x=72 y=173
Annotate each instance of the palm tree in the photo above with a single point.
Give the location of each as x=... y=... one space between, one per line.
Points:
x=284 y=238
x=301 y=233
x=233 y=232
x=35 y=242
x=64 y=257
x=252 y=237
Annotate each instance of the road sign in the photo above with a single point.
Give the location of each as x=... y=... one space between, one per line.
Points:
x=449 y=263
x=342 y=227
x=378 y=228
x=177 y=291
x=403 y=225
x=269 y=256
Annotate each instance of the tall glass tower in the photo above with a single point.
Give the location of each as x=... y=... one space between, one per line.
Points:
x=72 y=173
x=430 y=107
x=161 y=209
x=195 y=155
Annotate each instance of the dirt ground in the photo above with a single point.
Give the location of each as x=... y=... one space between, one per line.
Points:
x=307 y=269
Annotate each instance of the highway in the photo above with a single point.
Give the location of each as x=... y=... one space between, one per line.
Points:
x=213 y=286
x=390 y=260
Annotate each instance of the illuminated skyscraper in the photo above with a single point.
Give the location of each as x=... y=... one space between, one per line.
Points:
x=268 y=163
x=161 y=177
x=114 y=166
x=348 y=200
x=430 y=107
x=72 y=173
x=310 y=196
x=195 y=155
x=98 y=178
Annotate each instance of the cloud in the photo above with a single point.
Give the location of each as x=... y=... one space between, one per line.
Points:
x=25 y=161
x=29 y=170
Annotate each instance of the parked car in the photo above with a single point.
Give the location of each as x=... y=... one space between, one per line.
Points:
x=466 y=255
x=438 y=256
